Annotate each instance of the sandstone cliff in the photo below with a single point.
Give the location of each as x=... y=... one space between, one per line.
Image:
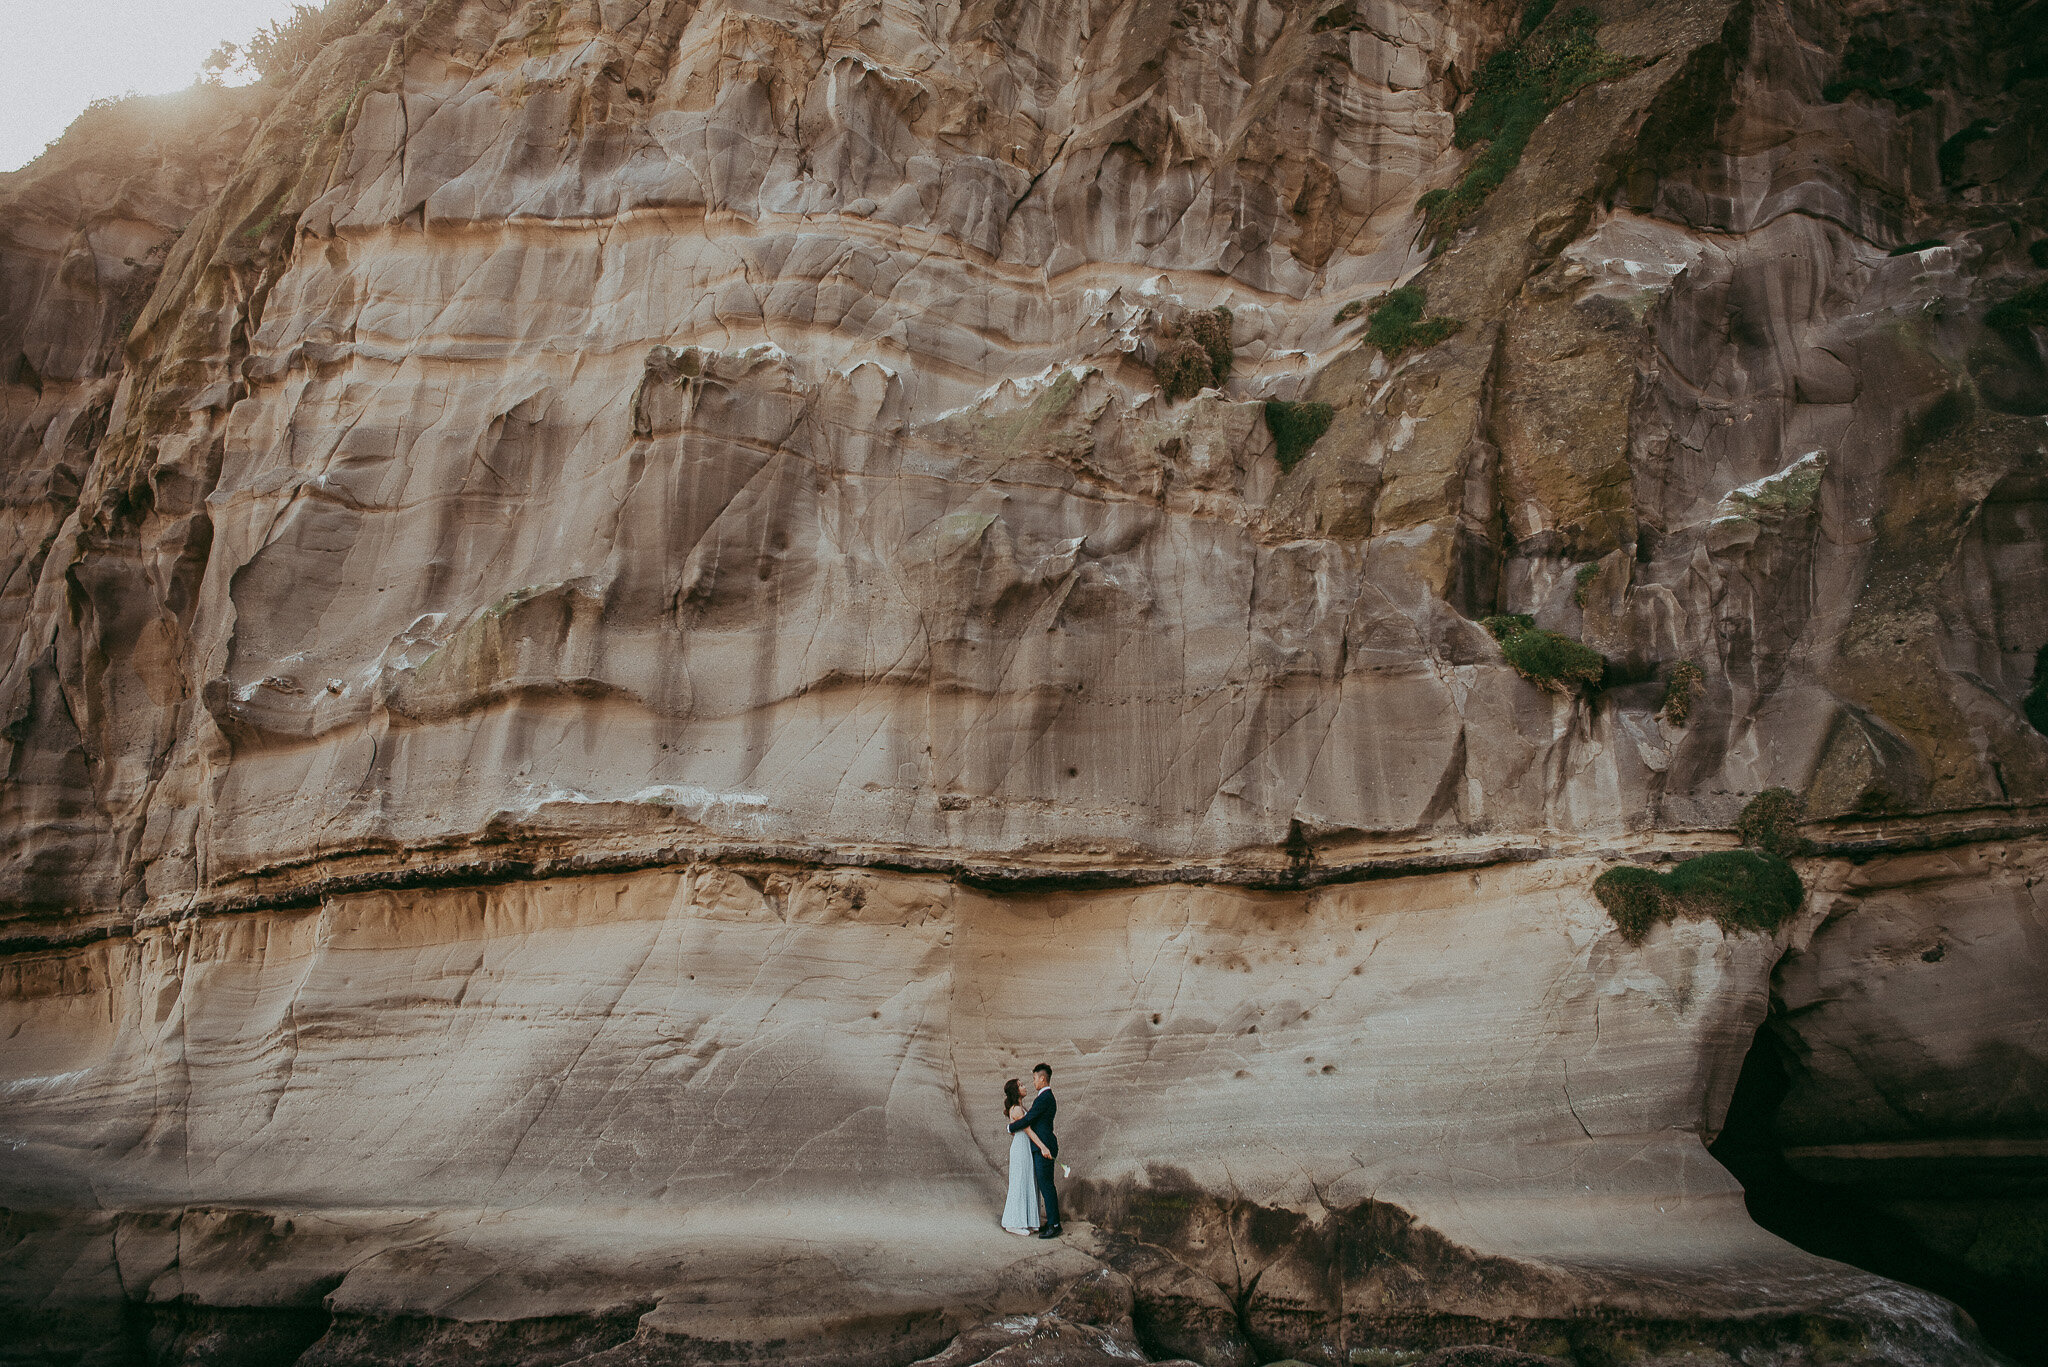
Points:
x=607 y=622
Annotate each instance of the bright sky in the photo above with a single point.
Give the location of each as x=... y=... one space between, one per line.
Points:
x=60 y=57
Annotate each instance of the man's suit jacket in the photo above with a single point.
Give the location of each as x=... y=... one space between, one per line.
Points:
x=1039 y=1119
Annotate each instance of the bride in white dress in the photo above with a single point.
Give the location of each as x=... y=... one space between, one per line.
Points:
x=1020 y=1212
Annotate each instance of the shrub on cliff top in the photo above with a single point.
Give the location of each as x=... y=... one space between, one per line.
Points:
x=1295 y=428
x=1546 y=658
x=1770 y=822
x=1736 y=889
x=288 y=45
x=1397 y=324
x=1194 y=353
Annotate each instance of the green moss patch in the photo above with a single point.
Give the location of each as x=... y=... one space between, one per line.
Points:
x=337 y=118
x=1770 y=822
x=1516 y=91
x=1686 y=679
x=1738 y=890
x=1545 y=658
x=1397 y=323
x=1533 y=13
x=1295 y=428
x=1582 y=579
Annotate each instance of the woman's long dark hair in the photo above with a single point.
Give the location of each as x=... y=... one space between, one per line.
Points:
x=1013 y=1095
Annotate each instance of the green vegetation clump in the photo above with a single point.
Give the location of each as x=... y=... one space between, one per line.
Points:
x=1770 y=822
x=1211 y=331
x=1356 y=307
x=337 y=118
x=1296 y=427
x=1736 y=889
x=1183 y=371
x=1545 y=658
x=1517 y=89
x=1582 y=580
x=1686 y=678
x=290 y=44
x=1397 y=324
x=1533 y=13
x=2027 y=309
x=1194 y=354
x=1911 y=248
x=2036 y=702
x=103 y=119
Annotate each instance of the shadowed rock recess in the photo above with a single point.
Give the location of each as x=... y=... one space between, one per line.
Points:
x=605 y=621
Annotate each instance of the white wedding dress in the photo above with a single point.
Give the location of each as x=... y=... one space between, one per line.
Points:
x=1020 y=1212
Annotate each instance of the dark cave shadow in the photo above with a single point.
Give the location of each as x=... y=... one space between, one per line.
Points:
x=1849 y=1222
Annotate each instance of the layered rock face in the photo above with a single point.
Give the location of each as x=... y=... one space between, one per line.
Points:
x=607 y=624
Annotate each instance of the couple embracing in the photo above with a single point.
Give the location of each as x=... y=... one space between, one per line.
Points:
x=1033 y=1147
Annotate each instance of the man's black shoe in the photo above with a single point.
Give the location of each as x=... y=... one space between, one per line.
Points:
x=1050 y=1232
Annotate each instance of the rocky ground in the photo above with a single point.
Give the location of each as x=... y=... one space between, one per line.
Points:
x=610 y=610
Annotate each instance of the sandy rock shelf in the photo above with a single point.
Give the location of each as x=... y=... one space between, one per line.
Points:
x=1360 y=1116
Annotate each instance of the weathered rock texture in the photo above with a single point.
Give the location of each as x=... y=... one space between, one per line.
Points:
x=605 y=627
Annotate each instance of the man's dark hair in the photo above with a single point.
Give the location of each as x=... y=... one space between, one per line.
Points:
x=1045 y=1068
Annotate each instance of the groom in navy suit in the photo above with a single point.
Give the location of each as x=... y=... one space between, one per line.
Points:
x=1039 y=1121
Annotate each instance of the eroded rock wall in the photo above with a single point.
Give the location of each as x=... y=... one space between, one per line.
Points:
x=748 y=417
x=1357 y=1113
x=605 y=612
